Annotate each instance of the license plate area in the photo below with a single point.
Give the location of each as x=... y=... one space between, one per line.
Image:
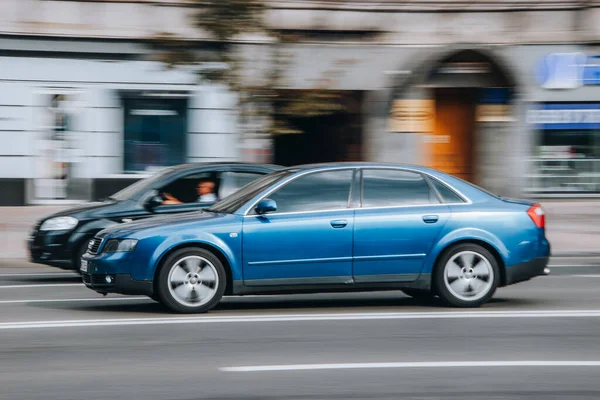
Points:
x=84 y=265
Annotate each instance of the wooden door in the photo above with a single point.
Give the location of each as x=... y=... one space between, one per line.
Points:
x=451 y=146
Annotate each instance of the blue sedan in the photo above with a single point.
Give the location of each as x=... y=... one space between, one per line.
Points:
x=328 y=227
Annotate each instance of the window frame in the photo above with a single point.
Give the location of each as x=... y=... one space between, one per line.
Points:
x=431 y=179
x=426 y=177
x=349 y=202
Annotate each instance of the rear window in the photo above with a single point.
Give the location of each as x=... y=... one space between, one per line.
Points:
x=447 y=194
x=389 y=188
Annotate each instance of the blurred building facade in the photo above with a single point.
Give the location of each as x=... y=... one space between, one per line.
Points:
x=503 y=93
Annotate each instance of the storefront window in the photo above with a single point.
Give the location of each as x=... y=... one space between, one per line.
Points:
x=154 y=133
x=567 y=154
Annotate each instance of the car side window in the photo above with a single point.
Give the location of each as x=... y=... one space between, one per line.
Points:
x=447 y=194
x=232 y=181
x=184 y=189
x=389 y=188
x=319 y=191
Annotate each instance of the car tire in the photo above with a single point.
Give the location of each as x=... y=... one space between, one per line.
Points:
x=191 y=280
x=466 y=275
x=419 y=294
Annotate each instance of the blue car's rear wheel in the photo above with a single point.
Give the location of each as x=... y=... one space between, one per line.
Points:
x=191 y=280
x=467 y=275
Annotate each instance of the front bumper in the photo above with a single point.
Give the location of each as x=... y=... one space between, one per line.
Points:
x=525 y=271
x=120 y=283
x=117 y=266
x=52 y=248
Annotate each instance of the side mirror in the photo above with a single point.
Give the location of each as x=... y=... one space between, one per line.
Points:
x=154 y=202
x=266 y=206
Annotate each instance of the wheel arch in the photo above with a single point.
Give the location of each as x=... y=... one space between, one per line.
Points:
x=486 y=245
x=213 y=249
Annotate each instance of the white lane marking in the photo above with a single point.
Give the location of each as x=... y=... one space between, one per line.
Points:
x=301 y=318
x=435 y=364
x=41 y=285
x=71 y=300
x=42 y=274
x=585 y=276
x=573 y=266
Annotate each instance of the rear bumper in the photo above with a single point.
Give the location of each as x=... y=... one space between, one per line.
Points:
x=525 y=271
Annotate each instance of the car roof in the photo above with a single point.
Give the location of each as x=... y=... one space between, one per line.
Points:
x=466 y=189
x=360 y=164
x=181 y=167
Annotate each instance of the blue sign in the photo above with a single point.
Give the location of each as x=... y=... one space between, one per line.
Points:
x=570 y=116
x=568 y=71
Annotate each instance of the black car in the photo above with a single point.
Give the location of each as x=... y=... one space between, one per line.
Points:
x=62 y=238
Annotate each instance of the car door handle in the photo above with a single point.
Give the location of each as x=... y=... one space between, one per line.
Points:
x=339 y=223
x=430 y=219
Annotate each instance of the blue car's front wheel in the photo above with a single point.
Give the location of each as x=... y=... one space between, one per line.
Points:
x=191 y=280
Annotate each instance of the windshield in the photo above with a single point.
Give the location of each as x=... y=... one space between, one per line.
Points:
x=232 y=203
x=143 y=184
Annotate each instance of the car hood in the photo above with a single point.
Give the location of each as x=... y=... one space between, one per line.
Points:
x=82 y=210
x=167 y=221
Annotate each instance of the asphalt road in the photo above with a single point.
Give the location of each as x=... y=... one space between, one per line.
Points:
x=535 y=340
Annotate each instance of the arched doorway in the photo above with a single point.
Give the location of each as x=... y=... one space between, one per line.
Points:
x=468 y=99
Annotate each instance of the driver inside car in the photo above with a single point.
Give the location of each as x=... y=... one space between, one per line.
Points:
x=205 y=190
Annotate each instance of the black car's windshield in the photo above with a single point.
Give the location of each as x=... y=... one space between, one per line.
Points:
x=232 y=203
x=140 y=185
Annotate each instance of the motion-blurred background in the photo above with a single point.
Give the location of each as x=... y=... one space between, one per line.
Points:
x=95 y=94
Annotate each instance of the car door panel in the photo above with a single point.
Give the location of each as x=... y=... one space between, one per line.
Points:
x=400 y=218
x=308 y=239
x=296 y=249
x=391 y=244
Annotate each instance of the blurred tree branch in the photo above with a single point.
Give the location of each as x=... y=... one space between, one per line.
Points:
x=221 y=61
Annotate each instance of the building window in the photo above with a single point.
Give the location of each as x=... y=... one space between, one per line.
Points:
x=154 y=133
x=566 y=158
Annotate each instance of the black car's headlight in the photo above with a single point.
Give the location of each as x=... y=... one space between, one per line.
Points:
x=59 y=224
x=120 y=245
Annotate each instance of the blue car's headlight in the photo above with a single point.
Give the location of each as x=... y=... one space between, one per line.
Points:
x=59 y=224
x=120 y=245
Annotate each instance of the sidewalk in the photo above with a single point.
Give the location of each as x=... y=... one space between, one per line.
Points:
x=573 y=227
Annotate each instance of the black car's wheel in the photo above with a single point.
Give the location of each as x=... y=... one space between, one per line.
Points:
x=467 y=275
x=191 y=280
x=419 y=294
